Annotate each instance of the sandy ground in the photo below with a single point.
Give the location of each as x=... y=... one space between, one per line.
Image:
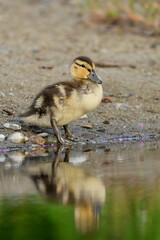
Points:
x=38 y=34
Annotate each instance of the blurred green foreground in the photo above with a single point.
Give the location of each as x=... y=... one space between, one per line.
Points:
x=128 y=213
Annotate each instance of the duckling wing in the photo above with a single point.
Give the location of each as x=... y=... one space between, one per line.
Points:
x=49 y=97
x=55 y=100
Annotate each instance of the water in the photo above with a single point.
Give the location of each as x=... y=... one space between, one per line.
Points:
x=96 y=192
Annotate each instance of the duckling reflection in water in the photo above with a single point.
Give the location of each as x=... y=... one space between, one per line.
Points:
x=64 y=102
x=69 y=184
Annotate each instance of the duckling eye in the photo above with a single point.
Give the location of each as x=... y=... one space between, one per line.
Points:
x=83 y=65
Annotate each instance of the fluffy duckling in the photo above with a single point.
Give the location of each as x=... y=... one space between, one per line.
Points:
x=64 y=102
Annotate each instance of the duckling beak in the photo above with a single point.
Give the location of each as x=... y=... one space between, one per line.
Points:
x=92 y=76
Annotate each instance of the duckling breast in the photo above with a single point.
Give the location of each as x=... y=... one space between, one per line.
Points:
x=70 y=110
x=81 y=100
x=91 y=97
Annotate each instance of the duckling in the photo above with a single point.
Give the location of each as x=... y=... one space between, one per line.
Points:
x=64 y=102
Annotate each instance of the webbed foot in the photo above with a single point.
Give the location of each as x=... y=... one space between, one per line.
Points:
x=70 y=136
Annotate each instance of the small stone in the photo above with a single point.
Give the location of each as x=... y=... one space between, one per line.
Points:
x=106 y=99
x=37 y=140
x=26 y=139
x=87 y=126
x=17 y=137
x=121 y=106
x=2 y=94
x=51 y=140
x=2 y=137
x=12 y=126
x=34 y=147
x=11 y=94
x=84 y=116
x=154 y=45
x=106 y=122
x=36 y=130
x=101 y=129
x=44 y=134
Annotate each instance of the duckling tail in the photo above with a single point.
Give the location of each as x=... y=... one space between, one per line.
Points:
x=36 y=117
x=29 y=112
x=29 y=116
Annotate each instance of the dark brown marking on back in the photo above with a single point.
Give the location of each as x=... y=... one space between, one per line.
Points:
x=48 y=94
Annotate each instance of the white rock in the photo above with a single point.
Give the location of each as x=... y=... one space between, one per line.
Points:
x=3 y=94
x=121 y=106
x=2 y=158
x=26 y=139
x=11 y=94
x=17 y=137
x=44 y=134
x=84 y=116
x=2 y=137
x=12 y=126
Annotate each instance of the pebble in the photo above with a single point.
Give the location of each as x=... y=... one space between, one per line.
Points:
x=26 y=139
x=12 y=126
x=36 y=130
x=51 y=139
x=84 y=116
x=87 y=126
x=11 y=94
x=106 y=122
x=2 y=137
x=17 y=138
x=121 y=106
x=3 y=94
x=37 y=140
x=101 y=129
x=44 y=134
x=106 y=99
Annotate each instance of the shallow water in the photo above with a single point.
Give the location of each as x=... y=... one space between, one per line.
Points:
x=84 y=193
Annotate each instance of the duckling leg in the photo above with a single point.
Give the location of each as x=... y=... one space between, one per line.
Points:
x=58 y=155
x=57 y=158
x=57 y=132
x=69 y=135
x=67 y=154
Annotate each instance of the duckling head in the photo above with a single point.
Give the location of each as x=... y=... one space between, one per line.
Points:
x=83 y=68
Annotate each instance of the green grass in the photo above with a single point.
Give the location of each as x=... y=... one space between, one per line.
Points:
x=33 y=219
x=129 y=213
